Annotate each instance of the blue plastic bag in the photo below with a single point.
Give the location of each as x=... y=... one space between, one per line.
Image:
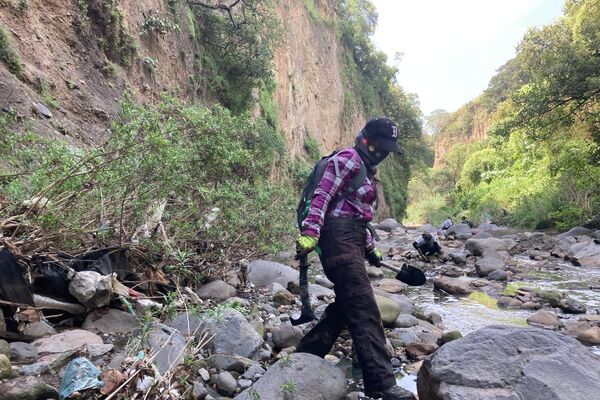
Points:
x=80 y=375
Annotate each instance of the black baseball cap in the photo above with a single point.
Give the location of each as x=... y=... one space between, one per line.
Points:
x=384 y=132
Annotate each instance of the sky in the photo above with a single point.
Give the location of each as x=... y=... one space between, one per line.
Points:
x=452 y=48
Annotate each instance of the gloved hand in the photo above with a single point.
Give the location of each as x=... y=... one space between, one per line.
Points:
x=305 y=244
x=375 y=257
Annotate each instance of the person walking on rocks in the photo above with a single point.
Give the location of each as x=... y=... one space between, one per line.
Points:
x=337 y=224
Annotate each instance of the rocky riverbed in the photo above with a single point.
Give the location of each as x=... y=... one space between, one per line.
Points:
x=526 y=302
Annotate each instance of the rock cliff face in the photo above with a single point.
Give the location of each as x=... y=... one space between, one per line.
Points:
x=75 y=63
x=469 y=124
x=310 y=91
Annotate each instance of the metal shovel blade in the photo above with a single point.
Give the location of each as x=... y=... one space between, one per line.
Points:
x=408 y=274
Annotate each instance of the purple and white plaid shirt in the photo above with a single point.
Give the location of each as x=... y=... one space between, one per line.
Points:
x=329 y=199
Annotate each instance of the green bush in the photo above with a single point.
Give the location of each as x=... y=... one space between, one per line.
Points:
x=193 y=158
x=8 y=55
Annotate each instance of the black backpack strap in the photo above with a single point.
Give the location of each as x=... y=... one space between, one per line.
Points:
x=358 y=179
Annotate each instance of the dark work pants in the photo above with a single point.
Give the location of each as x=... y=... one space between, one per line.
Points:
x=342 y=244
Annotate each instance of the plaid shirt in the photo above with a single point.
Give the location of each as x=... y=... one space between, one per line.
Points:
x=329 y=199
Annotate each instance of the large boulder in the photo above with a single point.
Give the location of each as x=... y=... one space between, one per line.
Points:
x=300 y=377
x=217 y=290
x=455 y=286
x=389 y=225
x=488 y=264
x=233 y=337
x=586 y=254
x=576 y=231
x=478 y=247
x=510 y=363
x=262 y=273
x=459 y=231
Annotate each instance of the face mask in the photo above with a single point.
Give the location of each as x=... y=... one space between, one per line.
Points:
x=378 y=155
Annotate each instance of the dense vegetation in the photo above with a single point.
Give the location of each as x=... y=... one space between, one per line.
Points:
x=540 y=166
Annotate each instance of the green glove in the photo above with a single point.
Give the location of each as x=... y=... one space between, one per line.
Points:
x=305 y=244
x=375 y=257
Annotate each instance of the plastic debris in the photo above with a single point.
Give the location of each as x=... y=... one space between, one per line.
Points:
x=79 y=375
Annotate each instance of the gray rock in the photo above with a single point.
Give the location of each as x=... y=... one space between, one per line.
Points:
x=459 y=231
x=98 y=350
x=244 y=383
x=169 y=344
x=27 y=388
x=36 y=369
x=66 y=341
x=434 y=318
x=226 y=383
x=313 y=378
x=199 y=391
x=262 y=273
x=586 y=254
x=323 y=281
x=233 y=336
x=42 y=110
x=482 y=235
x=455 y=286
x=389 y=225
x=22 y=352
x=487 y=227
x=406 y=335
x=498 y=275
x=320 y=292
x=478 y=247
x=4 y=348
x=91 y=289
x=576 y=231
x=388 y=309
x=505 y=362
x=486 y=265
x=460 y=257
x=187 y=324
x=285 y=335
x=255 y=371
x=39 y=329
x=110 y=321
x=405 y=321
x=572 y=306
x=217 y=290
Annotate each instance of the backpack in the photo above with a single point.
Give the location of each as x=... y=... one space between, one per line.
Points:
x=313 y=181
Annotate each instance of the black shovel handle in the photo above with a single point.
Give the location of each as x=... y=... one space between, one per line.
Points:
x=307 y=314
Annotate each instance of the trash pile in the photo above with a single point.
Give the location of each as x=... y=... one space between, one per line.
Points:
x=101 y=290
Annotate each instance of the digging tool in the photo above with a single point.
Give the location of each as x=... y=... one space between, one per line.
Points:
x=307 y=314
x=408 y=274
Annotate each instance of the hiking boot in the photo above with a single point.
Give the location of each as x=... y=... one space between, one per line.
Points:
x=393 y=393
